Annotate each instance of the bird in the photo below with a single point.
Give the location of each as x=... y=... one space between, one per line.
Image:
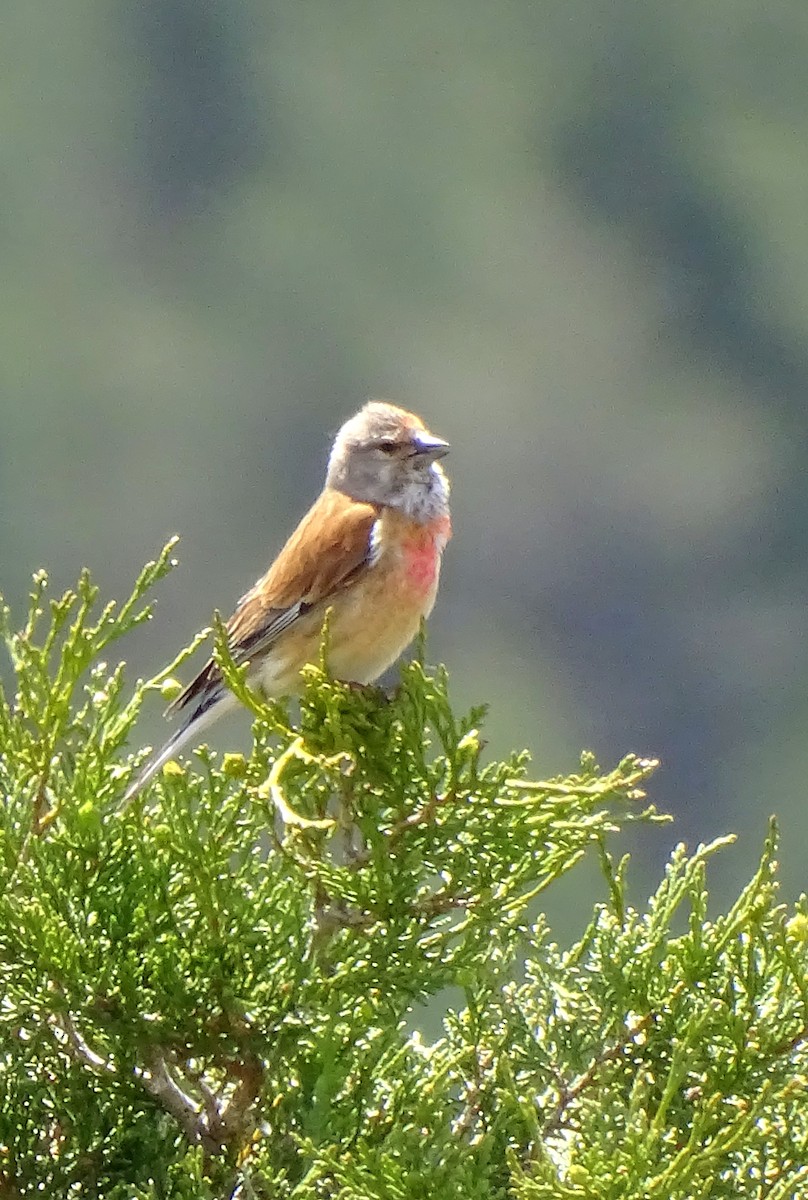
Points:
x=367 y=553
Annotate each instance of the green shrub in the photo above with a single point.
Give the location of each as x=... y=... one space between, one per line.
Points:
x=209 y=993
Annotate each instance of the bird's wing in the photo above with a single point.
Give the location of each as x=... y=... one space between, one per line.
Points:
x=330 y=547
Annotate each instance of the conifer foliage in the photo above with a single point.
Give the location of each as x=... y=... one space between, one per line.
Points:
x=209 y=993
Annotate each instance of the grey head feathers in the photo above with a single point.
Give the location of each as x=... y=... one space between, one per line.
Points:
x=386 y=455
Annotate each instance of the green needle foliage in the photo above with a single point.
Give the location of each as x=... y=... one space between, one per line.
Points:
x=209 y=993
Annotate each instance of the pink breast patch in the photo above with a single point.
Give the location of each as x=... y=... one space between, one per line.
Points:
x=421 y=560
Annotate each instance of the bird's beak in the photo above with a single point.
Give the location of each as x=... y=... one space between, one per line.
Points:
x=426 y=445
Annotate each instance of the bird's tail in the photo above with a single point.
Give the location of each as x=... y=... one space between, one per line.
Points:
x=202 y=716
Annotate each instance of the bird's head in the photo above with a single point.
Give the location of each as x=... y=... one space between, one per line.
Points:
x=386 y=455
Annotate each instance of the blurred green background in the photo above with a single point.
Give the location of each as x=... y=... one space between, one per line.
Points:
x=573 y=236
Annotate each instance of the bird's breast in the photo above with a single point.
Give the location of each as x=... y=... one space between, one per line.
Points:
x=374 y=618
x=420 y=550
x=411 y=552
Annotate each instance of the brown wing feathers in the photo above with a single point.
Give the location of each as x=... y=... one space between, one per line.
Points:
x=330 y=545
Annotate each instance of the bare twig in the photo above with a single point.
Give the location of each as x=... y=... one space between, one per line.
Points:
x=160 y=1083
x=569 y=1093
x=236 y=1120
x=78 y=1046
x=421 y=816
x=210 y=1123
x=472 y=1109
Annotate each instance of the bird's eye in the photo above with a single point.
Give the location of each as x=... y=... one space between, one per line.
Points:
x=388 y=447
